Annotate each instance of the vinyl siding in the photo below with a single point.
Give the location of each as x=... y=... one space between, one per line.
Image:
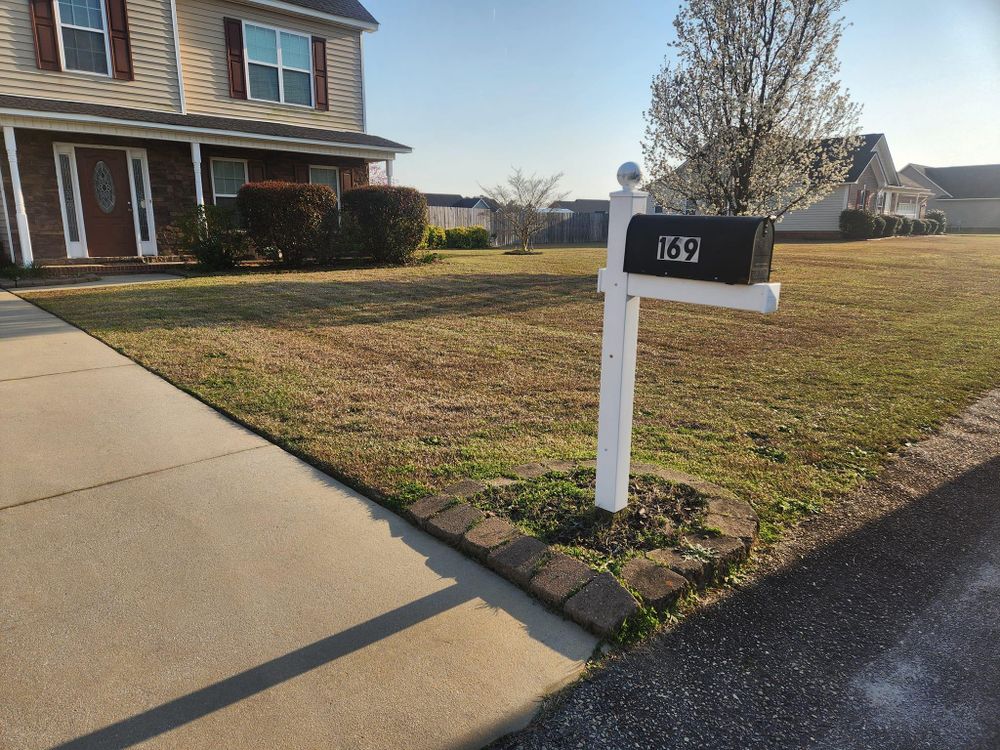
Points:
x=206 y=81
x=823 y=216
x=155 y=85
x=971 y=214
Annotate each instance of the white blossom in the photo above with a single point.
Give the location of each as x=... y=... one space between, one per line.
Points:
x=751 y=119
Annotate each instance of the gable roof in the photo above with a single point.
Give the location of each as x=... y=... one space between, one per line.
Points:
x=350 y=9
x=862 y=155
x=975 y=181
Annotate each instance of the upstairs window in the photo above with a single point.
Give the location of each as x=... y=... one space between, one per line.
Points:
x=83 y=29
x=279 y=65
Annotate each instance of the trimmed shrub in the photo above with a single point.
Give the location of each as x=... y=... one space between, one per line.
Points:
x=905 y=227
x=892 y=224
x=879 y=228
x=858 y=224
x=435 y=238
x=289 y=222
x=387 y=223
x=940 y=217
x=919 y=227
x=468 y=238
x=932 y=226
x=213 y=236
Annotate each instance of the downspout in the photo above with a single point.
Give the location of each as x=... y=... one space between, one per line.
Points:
x=177 y=56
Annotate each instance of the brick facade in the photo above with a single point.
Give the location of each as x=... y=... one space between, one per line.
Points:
x=170 y=175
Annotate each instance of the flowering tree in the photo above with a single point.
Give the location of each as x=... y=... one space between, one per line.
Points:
x=521 y=202
x=751 y=119
x=377 y=174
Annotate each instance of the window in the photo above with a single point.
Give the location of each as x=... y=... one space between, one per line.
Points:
x=329 y=176
x=279 y=65
x=228 y=176
x=83 y=30
x=690 y=207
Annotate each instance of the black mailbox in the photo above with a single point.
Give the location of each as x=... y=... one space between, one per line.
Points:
x=729 y=249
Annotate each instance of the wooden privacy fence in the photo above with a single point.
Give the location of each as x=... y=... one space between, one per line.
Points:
x=559 y=229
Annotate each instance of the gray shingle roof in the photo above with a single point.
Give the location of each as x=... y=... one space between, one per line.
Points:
x=345 y=8
x=863 y=155
x=208 y=122
x=977 y=181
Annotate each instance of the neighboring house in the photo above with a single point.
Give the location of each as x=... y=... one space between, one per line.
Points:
x=453 y=200
x=582 y=206
x=119 y=116
x=871 y=183
x=969 y=196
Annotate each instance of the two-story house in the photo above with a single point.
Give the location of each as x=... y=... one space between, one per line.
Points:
x=119 y=116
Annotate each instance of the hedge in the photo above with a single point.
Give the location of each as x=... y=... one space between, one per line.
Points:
x=387 y=223
x=906 y=227
x=468 y=238
x=932 y=226
x=892 y=225
x=858 y=224
x=435 y=238
x=919 y=226
x=941 y=218
x=213 y=236
x=289 y=222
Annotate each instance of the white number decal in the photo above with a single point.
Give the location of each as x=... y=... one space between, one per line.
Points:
x=682 y=249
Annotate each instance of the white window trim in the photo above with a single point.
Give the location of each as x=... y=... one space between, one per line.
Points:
x=107 y=41
x=280 y=67
x=327 y=167
x=81 y=249
x=211 y=169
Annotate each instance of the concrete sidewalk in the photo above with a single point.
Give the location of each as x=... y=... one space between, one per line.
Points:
x=171 y=579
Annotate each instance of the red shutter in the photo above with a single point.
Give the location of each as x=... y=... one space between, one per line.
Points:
x=121 y=46
x=346 y=181
x=302 y=173
x=234 y=54
x=43 y=24
x=319 y=73
x=256 y=171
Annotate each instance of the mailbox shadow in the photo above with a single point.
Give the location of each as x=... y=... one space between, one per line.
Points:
x=470 y=581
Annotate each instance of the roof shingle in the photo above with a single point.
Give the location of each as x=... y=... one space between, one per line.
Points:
x=344 y=8
x=977 y=181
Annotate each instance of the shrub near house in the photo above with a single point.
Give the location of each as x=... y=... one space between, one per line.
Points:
x=387 y=224
x=289 y=223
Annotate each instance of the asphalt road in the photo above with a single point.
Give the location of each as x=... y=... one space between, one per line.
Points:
x=876 y=625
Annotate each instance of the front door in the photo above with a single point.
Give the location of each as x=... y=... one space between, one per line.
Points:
x=106 y=199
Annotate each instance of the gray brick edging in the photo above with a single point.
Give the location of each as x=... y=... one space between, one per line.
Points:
x=596 y=601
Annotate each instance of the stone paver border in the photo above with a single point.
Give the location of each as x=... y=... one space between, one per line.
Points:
x=597 y=601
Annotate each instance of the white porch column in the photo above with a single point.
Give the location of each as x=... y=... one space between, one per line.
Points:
x=621 y=331
x=388 y=171
x=199 y=188
x=20 y=215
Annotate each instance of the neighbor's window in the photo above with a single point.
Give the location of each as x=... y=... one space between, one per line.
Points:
x=279 y=65
x=228 y=176
x=328 y=176
x=84 y=36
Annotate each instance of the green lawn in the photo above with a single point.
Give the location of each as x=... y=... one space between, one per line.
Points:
x=399 y=380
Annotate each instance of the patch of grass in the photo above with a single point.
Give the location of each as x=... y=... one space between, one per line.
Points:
x=559 y=509
x=479 y=362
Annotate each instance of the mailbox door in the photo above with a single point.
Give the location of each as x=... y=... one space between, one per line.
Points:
x=726 y=249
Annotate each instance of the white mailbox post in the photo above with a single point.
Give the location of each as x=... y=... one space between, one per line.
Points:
x=689 y=267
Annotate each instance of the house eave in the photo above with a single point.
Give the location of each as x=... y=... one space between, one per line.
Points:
x=96 y=123
x=298 y=10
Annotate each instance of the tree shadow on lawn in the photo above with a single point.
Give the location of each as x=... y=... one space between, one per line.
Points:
x=783 y=661
x=307 y=301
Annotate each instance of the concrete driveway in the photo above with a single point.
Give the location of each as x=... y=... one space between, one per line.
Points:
x=171 y=579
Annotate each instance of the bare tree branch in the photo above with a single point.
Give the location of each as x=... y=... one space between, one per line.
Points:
x=522 y=200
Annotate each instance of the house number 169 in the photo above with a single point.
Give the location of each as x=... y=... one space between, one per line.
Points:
x=683 y=249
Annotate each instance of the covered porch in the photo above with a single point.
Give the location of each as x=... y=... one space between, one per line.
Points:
x=86 y=182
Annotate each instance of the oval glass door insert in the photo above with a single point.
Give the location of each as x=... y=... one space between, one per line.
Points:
x=104 y=187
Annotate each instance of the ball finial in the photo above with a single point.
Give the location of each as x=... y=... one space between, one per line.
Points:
x=629 y=175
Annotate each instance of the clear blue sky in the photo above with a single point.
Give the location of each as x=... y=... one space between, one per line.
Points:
x=476 y=87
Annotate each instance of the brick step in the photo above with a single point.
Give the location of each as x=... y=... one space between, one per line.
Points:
x=112 y=269
x=131 y=260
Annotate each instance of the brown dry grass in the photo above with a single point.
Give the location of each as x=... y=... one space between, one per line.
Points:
x=402 y=379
